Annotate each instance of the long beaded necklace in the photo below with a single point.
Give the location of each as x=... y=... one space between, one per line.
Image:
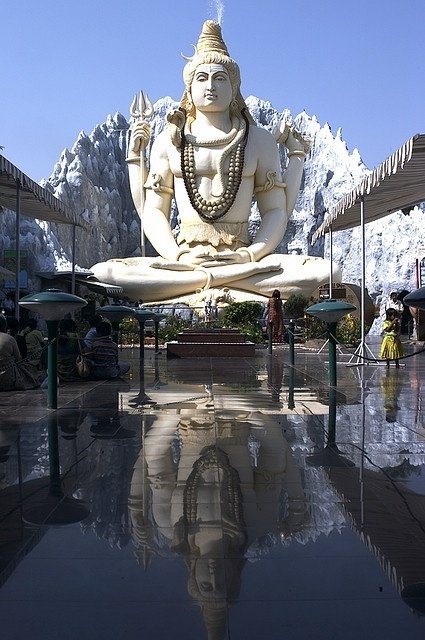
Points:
x=211 y=210
x=216 y=459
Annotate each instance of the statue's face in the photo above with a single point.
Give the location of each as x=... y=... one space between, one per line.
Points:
x=210 y=577
x=211 y=88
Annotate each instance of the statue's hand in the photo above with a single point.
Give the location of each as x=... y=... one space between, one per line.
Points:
x=295 y=141
x=171 y=265
x=226 y=257
x=139 y=138
x=196 y=257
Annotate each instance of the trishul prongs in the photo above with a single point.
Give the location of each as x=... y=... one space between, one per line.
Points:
x=141 y=107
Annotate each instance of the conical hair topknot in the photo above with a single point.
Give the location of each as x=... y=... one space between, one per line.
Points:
x=211 y=39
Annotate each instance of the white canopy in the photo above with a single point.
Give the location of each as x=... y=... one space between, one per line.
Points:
x=398 y=183
x=34 y=200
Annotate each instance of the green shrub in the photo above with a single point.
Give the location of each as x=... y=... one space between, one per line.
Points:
x=237 y=314
x=245 y=316
x=315 y=328
x=173 y=325
x=347 y=330
x=295 y=306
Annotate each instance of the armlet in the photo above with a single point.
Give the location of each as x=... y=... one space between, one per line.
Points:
x=270 y=183
x=154 y=182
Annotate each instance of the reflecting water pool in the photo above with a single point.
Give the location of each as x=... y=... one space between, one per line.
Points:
x=216 y=498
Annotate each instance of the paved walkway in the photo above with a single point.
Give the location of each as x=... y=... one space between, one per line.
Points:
x=217 y=498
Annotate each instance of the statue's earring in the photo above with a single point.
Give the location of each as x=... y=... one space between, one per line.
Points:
x=189 y=99
x=234 y=105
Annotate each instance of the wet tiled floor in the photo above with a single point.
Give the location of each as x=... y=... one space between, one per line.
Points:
x=217 y=499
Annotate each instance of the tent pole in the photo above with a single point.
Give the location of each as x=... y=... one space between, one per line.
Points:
x=17 y=247
x=74 y=227
x=331 y=261
x=363 y=283
x=362 y=348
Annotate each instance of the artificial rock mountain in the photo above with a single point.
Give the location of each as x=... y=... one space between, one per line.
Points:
x=92 y=179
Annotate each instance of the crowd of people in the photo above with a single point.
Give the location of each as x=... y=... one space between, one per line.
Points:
x=23 y=361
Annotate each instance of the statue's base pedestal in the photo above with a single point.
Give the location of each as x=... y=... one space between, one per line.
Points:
x=210 y=343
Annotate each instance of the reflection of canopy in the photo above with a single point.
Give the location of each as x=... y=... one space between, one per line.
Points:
x=390 y=520
x=397 y=183
x=35 y=201
x=6 y=272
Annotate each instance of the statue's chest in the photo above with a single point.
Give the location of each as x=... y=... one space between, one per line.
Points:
x=207 y=162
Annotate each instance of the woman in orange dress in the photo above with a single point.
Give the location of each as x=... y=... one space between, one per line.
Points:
x=275 y=316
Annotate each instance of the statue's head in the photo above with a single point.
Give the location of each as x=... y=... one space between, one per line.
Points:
x=214 y=584
x=211 y=49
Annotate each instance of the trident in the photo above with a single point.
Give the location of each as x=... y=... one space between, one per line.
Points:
x=142 y=109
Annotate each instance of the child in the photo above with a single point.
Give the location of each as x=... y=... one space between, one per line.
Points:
x=391 y=347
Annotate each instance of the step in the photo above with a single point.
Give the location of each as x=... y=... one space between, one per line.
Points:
x=210 y=349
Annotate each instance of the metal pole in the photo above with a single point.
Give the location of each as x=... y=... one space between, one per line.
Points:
x=52 y=364
x=17 y=248
x=332 y=353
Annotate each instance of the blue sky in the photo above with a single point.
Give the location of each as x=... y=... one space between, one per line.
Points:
x=359 y=66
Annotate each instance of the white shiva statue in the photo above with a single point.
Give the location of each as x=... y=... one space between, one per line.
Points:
x=213 y=160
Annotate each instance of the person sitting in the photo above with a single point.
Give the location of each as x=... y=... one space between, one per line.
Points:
x=34 y=341
x=9 y=305
x=92 y=333
x=69 y=348
x=14 y=375
x=213 y=159
x=13 y=330
x=104 y=355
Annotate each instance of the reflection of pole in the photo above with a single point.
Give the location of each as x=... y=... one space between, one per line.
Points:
x=291 y=342
x=55 y=488
x=362 y=459
x=332 y=418
x=144 y=469
x=56 y=508
x=52 y=364
x=291 y=388
x=156 y=337
x=332 y=353
x=142 y=339
x=270 y=348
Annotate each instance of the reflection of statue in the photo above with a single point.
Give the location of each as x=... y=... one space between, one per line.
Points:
x=213 y=160
x=233 y=482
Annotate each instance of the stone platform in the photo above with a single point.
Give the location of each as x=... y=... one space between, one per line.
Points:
x=210 y=343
